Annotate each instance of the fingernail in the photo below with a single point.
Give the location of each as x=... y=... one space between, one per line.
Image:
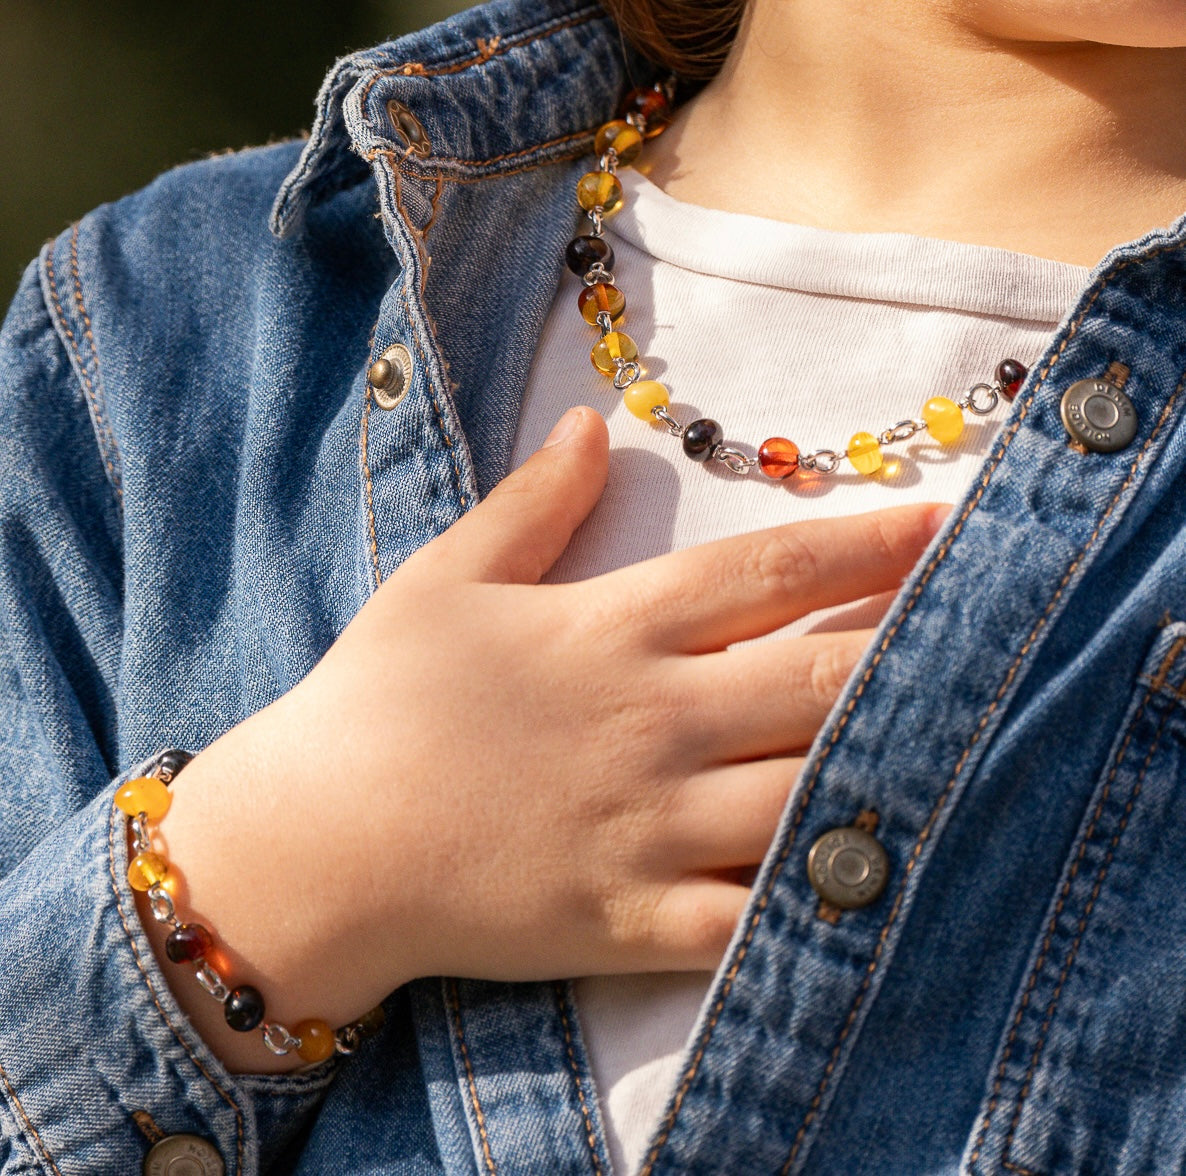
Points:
x=563 y=429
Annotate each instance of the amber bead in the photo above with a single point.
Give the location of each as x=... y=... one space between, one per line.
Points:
x=244 y=1008
x=599 y=190
x=945 y=420
x=702 y=438
x=601 y=299
x=622 y=138
x=147 y=869
x=583 y=253
x=778 y=457
x=188 y=943
x=145 y=794
x=864 y=451
x=317 y=1041
x=643 y=396
x=1011 y=375
x=651 y=106
x=609 y=348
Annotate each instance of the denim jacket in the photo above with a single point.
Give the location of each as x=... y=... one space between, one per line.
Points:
x=198 y=491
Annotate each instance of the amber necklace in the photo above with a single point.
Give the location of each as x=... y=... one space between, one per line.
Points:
x=644 y=114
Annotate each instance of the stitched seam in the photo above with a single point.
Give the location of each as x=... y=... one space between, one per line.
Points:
x=153 y=993
x=1080 y=930
x=370 y=493
x=583 y=137
x=28 y=1122
x=763 y=901
x=432 y=395
x=99 y=423
x=1163 y=671
x=475 y=1102
x=496 y=47
x=590 y=1134
x=1018 y=1168
x=514 y=171
x=417 y=237
x=993 y=1102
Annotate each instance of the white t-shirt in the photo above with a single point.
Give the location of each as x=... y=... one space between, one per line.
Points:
x=774 y=330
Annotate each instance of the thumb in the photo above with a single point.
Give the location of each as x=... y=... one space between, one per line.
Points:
x=519 y=530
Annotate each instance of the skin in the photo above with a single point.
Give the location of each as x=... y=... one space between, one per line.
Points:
x=583 y=795
x=1050 y=127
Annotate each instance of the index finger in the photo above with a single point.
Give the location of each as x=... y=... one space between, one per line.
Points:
x=704 y=598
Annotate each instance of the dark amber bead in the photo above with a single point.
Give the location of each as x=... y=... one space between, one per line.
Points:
x=583 y=253
x=1011 y=375
x=778 y=457
x=702 y=438
x=651 y=106
x=601 y=299
x=244 y=1008
x=188 y=943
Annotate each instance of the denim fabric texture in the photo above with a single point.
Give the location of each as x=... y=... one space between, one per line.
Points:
x=197 y=493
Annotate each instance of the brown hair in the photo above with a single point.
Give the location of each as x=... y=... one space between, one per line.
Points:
x=689 y=37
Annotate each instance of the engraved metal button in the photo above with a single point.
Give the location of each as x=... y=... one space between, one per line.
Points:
x=184 y=1155
x=390 y=376
x=1098 y=415
x=848 y=868
x=408 y=127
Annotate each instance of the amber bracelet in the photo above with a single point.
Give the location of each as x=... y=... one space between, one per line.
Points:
x=147 y=798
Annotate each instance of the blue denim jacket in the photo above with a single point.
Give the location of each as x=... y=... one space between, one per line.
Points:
x=197 y=493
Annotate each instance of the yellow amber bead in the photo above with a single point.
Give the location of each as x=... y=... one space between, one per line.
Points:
x=622 y=137
x=599 y=190
x=864 y=452
x=601 y=299
x=643 y=396
x=145 y=794
x=945 y=420
x=317 y=1041
x=616 y=345
x=147 y=869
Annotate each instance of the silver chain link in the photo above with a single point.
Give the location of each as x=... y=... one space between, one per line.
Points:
x=211 y=981
x=160 y=902
x=278 y=1039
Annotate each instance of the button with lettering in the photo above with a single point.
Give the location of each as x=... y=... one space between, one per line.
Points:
x=1098 y=415
x=184 y=1155
x=848 y=868
x=390 y=376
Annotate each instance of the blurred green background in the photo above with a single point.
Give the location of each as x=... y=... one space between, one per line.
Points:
x=97 y=98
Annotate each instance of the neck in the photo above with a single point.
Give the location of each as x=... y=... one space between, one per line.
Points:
x=909 y=119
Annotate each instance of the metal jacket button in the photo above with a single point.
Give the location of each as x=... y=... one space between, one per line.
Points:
x=390 y=376
x=1098 y=416
x=184 y=1155
x=848 y=867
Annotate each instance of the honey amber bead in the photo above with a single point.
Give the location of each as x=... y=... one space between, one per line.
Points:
x=146 y=869
x=317 y=1041
x=145 y=794
x=601 y=298
x=944 y=418
x=610 y=348
x=778 y=457
x=244 y=1008
x=599 y=190
x=583 y=253
x=644 y=396
x=1011 y=375
x=651 y=106
x=620 y=137
x=864 y=452
x=188 y=943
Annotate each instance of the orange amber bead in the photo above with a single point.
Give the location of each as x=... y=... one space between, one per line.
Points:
x=778 y=457
x=146 y=869
x=317 y=1041
x=599 y=190
x=620 y=137
x=651 y=106
x=601 y=298
x=610 y=348
x=145 y=794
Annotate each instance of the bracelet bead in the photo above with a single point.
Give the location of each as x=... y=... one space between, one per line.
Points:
x=244 y=1008
x=188 y=943
x=147 y=869
x=317 y=1041
x=145 y=794
x=864 y=452
x=945 y=420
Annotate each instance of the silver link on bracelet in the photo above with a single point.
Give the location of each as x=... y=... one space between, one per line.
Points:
x=160 y=902
x=211 y=981
x=673 y=426
x=278 y=1039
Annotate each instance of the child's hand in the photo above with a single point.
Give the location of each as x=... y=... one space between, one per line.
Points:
x=494 y=778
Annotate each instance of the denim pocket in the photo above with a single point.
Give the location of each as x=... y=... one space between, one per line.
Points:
x=1090 y=1076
